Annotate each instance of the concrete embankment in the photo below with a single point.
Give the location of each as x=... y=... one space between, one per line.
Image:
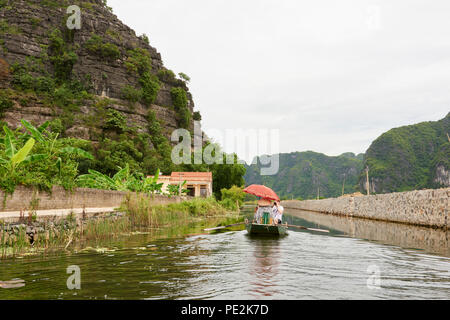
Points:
x=423 y=207
x=28 y=199
x=60 y=203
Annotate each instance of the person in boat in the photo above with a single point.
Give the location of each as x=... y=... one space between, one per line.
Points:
x=263 y=211
x=278 y=212
x=257 y=212
x=274 y=211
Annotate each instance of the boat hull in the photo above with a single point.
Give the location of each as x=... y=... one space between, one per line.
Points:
x=266 y=229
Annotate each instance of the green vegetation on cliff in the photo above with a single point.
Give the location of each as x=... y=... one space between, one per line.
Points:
x=97 y=45
x=409 y=157
x=180 y=101
x=301 y=174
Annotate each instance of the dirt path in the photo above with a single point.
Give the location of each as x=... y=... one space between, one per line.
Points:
x=15 y=215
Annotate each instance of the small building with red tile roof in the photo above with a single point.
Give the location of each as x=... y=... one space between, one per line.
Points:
x=199 y=184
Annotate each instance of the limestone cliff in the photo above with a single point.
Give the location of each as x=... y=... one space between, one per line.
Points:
x=98 y=58
x=409 y=157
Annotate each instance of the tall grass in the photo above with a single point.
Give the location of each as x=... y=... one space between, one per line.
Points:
x=143 y=213
x=104 y=228
x=19 y=242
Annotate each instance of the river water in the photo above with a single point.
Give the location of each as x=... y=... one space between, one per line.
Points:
x=356 y=260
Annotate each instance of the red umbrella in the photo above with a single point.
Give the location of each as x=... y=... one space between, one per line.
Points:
x=262 y=191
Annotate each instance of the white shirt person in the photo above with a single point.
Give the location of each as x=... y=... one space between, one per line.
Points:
x=278 y=213
x=274 y=211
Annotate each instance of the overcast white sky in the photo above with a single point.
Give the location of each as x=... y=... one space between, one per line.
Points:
x=330 y=75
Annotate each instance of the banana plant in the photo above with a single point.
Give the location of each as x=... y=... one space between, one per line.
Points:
x=25 y=136
x=138 y=182
x=123 y=180
x=94 y=180
x=151 y=184
x=50 y=145
x=174 y=189
x=97 y=180
x=12 y=158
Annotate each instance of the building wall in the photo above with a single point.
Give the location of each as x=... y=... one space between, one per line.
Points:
x=62 y=199
x=194 y=183
x=422 y=207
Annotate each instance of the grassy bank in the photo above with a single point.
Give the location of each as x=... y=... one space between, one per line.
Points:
x=137 y=215
x=143 y=214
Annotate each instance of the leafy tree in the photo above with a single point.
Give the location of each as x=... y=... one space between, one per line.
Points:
x=197 y=116
x=145 y=38
x=184 y=76
x=224 y=175
x=232 y=198
x=227 y=175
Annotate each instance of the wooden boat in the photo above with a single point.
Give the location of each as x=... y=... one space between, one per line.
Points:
x=266 y=229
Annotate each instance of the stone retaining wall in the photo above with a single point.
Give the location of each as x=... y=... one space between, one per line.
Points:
x=423 y=207
x=28 y=199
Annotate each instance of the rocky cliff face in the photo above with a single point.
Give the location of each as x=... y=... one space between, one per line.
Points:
x=104 y=49
x=409 y=157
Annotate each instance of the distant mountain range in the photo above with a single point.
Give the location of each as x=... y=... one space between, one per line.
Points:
x=305 y=174
x=405 y=158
